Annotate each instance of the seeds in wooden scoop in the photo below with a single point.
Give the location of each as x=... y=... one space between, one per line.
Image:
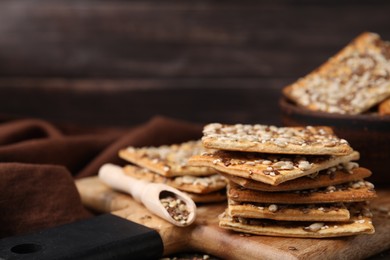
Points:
x=176 y=207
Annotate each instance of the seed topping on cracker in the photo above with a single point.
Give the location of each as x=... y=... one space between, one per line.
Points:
x=269 y=168
x=324 y=178
x=167 y=160
x=273 y=139
x=355 y=191
x=351 y=82
x=288 y=181
x=295 y=228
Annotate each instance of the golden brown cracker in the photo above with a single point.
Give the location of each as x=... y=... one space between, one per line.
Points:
x=268 y=168
x=328 y=177
x=351 y=82
x=271 y=139
x=167 y=160
x=194 y=184
x=348 y=192
x=288 y=212
x=357 y=225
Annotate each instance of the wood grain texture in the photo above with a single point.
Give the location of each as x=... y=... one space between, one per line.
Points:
x=121 y=62
x=125 y=102
x=179 y=39
x=205 y=235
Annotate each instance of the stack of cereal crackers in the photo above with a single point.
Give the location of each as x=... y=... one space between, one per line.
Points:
x=288 y=181
x=168 y=164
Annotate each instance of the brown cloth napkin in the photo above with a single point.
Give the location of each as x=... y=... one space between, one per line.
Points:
x=39 y=161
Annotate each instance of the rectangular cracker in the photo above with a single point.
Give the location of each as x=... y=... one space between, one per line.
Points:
x=167 y=160
x=271 y=139
x=351 y=82
x=289 y=212
x=331 y=176
x=357 y=225
x=194 y=184
x=268 y=168
x=348 y=192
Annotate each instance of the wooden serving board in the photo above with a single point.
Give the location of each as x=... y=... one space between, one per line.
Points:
x=207 y=237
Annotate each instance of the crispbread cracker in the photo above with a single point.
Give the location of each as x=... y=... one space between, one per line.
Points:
x=348 y=192
x=288 y=181
x=194 y=184
x=167 y=160
x=351 y=82
x=270 y=169
x=357 y=225
x=286 y=212
x=271 y=139
x=332 y=176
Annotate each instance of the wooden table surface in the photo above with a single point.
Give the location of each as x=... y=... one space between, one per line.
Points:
x=205 y=234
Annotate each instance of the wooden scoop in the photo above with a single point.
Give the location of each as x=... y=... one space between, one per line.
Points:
x=150 y=194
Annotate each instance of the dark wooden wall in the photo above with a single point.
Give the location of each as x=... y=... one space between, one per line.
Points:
x=120 y=62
